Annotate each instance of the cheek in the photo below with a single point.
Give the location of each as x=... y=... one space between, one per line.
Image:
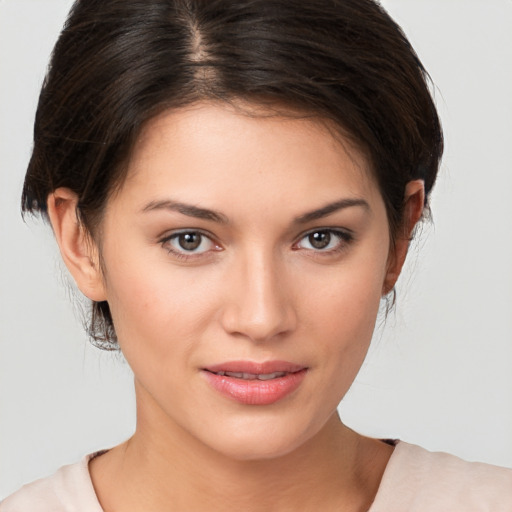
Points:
x=159 y=324
x=153 y=305
x=348 y=296
x=343 y=347
x=343 y=312
x=347 y=319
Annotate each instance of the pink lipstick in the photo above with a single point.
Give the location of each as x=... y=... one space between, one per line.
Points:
x=255 y=383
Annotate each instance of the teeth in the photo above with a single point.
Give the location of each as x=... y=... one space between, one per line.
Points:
x=268 y=376
x=236 y=375
x=252 y=376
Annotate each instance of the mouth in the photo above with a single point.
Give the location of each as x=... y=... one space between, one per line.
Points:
x=251 y=376
x=255 y=383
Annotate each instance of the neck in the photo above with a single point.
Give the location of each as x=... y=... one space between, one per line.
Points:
x=162 y=466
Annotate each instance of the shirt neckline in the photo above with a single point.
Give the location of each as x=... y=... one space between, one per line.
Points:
x=396 y=443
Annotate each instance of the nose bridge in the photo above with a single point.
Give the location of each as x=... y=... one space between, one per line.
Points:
x=259 y=307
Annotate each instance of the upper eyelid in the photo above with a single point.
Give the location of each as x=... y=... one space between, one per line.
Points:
x=345 y=236
x=342 y=232
x=167 y=235
x=336 y=230
x=165 y=242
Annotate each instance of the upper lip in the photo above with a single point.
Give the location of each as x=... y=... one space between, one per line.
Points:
x=255 y=368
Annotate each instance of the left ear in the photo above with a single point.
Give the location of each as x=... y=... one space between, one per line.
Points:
x=414 y=201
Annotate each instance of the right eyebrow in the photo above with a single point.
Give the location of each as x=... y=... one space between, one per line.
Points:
x=186 y=209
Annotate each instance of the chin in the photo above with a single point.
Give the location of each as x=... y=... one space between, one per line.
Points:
x=254 y=440
x=258 y=450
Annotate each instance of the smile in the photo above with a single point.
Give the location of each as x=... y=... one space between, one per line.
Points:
x=252 y=376
x=251 y=383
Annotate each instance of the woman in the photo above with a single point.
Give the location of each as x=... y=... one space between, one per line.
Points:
x=234 y=186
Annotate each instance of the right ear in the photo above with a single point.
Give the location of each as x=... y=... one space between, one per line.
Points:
x=78 y=249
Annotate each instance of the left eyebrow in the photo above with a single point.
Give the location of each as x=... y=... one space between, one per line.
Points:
x=326 y=210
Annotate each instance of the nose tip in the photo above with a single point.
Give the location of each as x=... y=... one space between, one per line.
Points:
x=256 y=324
x=259 y=307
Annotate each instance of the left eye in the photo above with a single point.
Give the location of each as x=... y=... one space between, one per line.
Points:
x=190 y=242
x=323 y=240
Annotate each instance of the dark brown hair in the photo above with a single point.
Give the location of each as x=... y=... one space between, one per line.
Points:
x=118 y=63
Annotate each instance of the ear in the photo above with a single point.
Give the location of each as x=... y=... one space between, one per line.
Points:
x=78 y=250
x=414 y=201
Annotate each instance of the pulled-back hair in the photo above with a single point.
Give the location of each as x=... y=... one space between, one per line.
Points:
x=118 y=63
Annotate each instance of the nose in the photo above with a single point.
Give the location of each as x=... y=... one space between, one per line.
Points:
x=259 y=304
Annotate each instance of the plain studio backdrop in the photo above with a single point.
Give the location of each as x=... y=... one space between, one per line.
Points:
x=439 y=373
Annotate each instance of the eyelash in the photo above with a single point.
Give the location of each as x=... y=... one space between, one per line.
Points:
x=165 y=242
x=344 y=238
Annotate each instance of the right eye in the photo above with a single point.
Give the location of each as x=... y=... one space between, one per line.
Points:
x=188 y=243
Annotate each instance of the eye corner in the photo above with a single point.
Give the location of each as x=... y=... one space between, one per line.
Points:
x=189 y=244
x=337 y=240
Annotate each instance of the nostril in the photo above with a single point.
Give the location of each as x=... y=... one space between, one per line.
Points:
x=258 y=306
x=258 y=328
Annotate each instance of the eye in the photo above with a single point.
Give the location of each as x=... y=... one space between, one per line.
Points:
x=324 y=240
x=189 y=243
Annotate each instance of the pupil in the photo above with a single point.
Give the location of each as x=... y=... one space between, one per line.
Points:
x=320 y=239
x=189 y=241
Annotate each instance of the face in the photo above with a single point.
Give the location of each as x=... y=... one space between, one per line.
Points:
x=244 y=262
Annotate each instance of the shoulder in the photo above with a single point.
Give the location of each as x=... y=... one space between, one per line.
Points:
x=417 y=480
x=69 y=490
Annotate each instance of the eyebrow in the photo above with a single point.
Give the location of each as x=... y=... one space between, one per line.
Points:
x=215 y=216
x=326 y=210
x=186 y=209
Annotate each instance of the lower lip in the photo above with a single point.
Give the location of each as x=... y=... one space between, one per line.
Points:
x=256 y=392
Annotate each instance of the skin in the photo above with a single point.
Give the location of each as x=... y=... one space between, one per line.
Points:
x=256 y=289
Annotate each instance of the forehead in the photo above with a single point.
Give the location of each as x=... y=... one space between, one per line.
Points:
x=216 y=150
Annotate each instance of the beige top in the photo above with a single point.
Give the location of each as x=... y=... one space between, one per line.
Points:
x=415 y=480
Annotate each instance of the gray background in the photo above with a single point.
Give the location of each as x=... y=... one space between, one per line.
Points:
x=439 y=372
